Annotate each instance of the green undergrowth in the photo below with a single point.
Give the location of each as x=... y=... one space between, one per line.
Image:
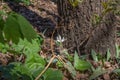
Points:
x=34 y=63
x=20 y=39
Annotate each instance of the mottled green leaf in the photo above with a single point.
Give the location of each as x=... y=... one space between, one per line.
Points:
x=117 y=71
x=99 y=71
x=94 y=55
x=12 y=29
x=71 y=69
x=80 y=64
x=108 y=54
x=117 y=51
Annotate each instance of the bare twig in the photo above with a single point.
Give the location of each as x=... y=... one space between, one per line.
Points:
x=51 y=43
x=37 y=78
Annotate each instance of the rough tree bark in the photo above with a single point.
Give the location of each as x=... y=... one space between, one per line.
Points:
x=77 y=26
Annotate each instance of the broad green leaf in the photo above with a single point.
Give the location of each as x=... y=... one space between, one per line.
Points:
x=94 y=55
x=99 y=71
x=26 y=28
x=16 y=26
x=52 y=74
x=81 y=65
x=12 y=29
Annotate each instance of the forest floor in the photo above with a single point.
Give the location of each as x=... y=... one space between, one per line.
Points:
x=43 y=15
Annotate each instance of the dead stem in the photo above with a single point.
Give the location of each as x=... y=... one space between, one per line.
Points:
x=37 y=78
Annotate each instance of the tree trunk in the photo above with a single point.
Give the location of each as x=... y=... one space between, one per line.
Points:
x=86 y=27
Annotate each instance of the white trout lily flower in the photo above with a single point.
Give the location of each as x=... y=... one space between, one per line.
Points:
x=60 y=39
